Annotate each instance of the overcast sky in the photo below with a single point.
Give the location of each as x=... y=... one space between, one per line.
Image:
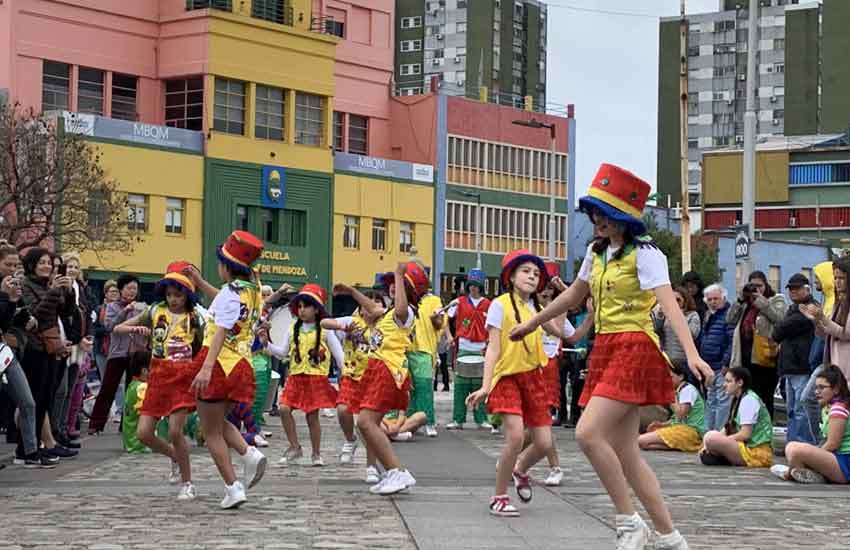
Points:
x=607 y=65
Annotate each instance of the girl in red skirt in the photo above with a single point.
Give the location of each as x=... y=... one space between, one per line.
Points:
x=386 y=383
x=225 y=375
x=174 y=328
x=626 y=275
x=309 y=350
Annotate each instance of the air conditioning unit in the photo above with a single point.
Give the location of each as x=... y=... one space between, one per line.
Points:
x=792 y=221
x=730 y=101
x=773 y=99
x=461 y=83
x=457 y=59
x=439 y=37
x=436 y=62
x=776 y=122
x=739 y=139
x=742 y=77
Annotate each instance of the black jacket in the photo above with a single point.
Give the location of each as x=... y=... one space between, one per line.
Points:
x=794 y=334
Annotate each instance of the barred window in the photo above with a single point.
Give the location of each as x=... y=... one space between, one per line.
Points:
x=351 y=232
x=55 y=84
x=90 y=91
x=229 y=108
x=184 y=103
x=174 y=215
x=358 y=134
x=309 y=119
x=379 y=234
x=270 y=113
x=124 y=96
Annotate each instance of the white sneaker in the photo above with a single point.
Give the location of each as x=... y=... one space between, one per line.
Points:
x=781 y=471
x=260 y=441
x=395 y=481
x=494 y=431
x=174 y=477
x=632 y=533
x=556 y=475
x=328 y=413
x=454 y=426
x=187 y=492
x=317 y=461
x=485 y=426
x=804 y=475
x=255 y=466
x=348 y=450
x=267 y=434
x=402 y=436
x=291 y=457
x=234 y=496
x=431 y=430
x=372 y=475
x=670 y=541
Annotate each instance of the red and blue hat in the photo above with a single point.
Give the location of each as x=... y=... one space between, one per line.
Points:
x=239 y=251
x=311 y=294
x=175 y=277
x=619 y=195
x=518 y=257
x=476 y=277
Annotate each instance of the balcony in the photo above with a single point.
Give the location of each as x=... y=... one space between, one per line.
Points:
x=275 y=11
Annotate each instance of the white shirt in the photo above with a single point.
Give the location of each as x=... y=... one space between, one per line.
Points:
x=462 y=343
x=552 y=343
x=496 y=312
x=748 y=410
x=225 y=308
x=688 y=395
x=651 y=266
x=281 y=351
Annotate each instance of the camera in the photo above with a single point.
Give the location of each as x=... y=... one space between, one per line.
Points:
x=750 y=288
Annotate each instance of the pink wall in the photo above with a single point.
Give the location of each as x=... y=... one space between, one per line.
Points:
x=414 y=128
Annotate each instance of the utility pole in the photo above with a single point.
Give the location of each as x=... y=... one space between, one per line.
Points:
x=683 y=137
x=750 y=121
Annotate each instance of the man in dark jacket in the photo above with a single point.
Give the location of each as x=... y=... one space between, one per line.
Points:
x=795 y=334
x=716 y=350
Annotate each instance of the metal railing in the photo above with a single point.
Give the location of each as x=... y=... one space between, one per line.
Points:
x=276 y=11
x=224 y=5
x=326 y=24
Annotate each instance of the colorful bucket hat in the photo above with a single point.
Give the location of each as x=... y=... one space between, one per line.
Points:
x=476 y=277
x=415 y=276
x=553 y=269
x=175 y=277
x=313 y=295
x=515 y=258
x=240 y=250
x=619 y=195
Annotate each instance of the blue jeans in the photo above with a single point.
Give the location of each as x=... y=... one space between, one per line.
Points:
x=716 y=404
x=799 y=428
x=811 y=404
x=18 y=389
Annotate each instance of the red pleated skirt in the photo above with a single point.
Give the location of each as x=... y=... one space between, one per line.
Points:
x=628 y=367
x=379 y=391
x=238 y=386
x=524 y=395
x=169 y=385
x=308 y=393
x=552 y=376
x=349 y=394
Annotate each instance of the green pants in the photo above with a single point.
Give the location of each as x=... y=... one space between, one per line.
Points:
x=463 y=387
x=421 y=366
x=262 y=379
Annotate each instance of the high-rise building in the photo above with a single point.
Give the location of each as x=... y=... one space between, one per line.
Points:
x=801 y=89
x=497 y=44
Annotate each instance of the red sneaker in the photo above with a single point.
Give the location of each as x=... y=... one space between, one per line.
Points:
x=522 y=483
x=501 y=506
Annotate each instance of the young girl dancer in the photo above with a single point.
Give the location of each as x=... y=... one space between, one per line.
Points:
x=514 y=379
x=174 y=329
x=307 y=388
x=226 y=376
x=386 y=382
x=684 y=430
x=626 y=274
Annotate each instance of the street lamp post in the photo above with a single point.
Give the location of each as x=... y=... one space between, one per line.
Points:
x=477 y=197
x=534 y=123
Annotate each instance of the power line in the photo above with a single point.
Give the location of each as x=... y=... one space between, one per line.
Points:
x=603 y=11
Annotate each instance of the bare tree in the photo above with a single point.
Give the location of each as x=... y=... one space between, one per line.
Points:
x=53 y=188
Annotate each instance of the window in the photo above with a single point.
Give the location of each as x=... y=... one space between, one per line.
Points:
x=97 y=207
x=779 y=44
x=411 y=45
x=460 y=26
x=214 y=4
x=124 y=96
x=294 y=224
x=270 y=10
x=229 y=114
x=336 y=28
x=271 y=109
x=411 y=22
x=338 y=131
x=779 y=67
x=173 y=215
x=55 y=84
x=269 y=229
x=90 y=91
x=242 y=218
x=779 y=114
x=351 y=232
x=405 y=238
x=379 y=234
x=412 y=68
x=309 y=119
x=137 y=212
x=358 y=134
x=184 y=103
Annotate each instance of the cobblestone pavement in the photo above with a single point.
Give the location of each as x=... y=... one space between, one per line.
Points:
x=115 y=501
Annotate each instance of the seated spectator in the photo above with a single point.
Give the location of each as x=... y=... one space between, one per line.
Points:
x=747 y=439
x=684 y=430
x=831 y=461
x=133 y=400
x=400 y=427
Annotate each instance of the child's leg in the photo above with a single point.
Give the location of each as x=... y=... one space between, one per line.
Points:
x=803 y=455
x=213 y=421
x=346 y=421
x=541 y=445
x=176 y=424
x=315 y=432
x=718 y=444
x=74 y=407
x=650 y=441
x=552 y=453
x=369 y=424
x=413 y=423
x=514 y=427
x=479 y=413
x=288 y=423
x=147 y=435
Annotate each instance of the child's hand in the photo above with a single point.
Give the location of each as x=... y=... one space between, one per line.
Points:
x=476 y=397
x=142 y=331
x=589 y=306
x=558 y=284
x=193 y=273
x=401 y=268
x=202 y=380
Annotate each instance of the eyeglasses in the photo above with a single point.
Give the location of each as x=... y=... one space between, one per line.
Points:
x=820 y=388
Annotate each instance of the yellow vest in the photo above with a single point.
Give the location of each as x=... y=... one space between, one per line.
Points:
x=426 y=334
x=237 y=342
x=516 y=358
x=172 y=334
x=621 y=305
x=310 y=363
x=356 y=347
x=391 y=342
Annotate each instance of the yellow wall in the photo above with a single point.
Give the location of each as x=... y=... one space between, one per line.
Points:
x=368 y=199
x=722 y=175
x=157 y=174
x=259 y=52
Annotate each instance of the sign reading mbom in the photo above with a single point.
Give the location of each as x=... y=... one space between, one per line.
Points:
x=375 y=166
x=136 y=132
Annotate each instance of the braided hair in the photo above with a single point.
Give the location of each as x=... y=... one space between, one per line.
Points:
x=517 y=317
x=296 y=337
x=742 y=374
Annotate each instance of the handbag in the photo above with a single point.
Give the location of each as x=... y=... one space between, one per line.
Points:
x=765 y=351
x=52 y=341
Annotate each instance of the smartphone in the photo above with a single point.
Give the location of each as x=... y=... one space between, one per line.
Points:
x=62 y=270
